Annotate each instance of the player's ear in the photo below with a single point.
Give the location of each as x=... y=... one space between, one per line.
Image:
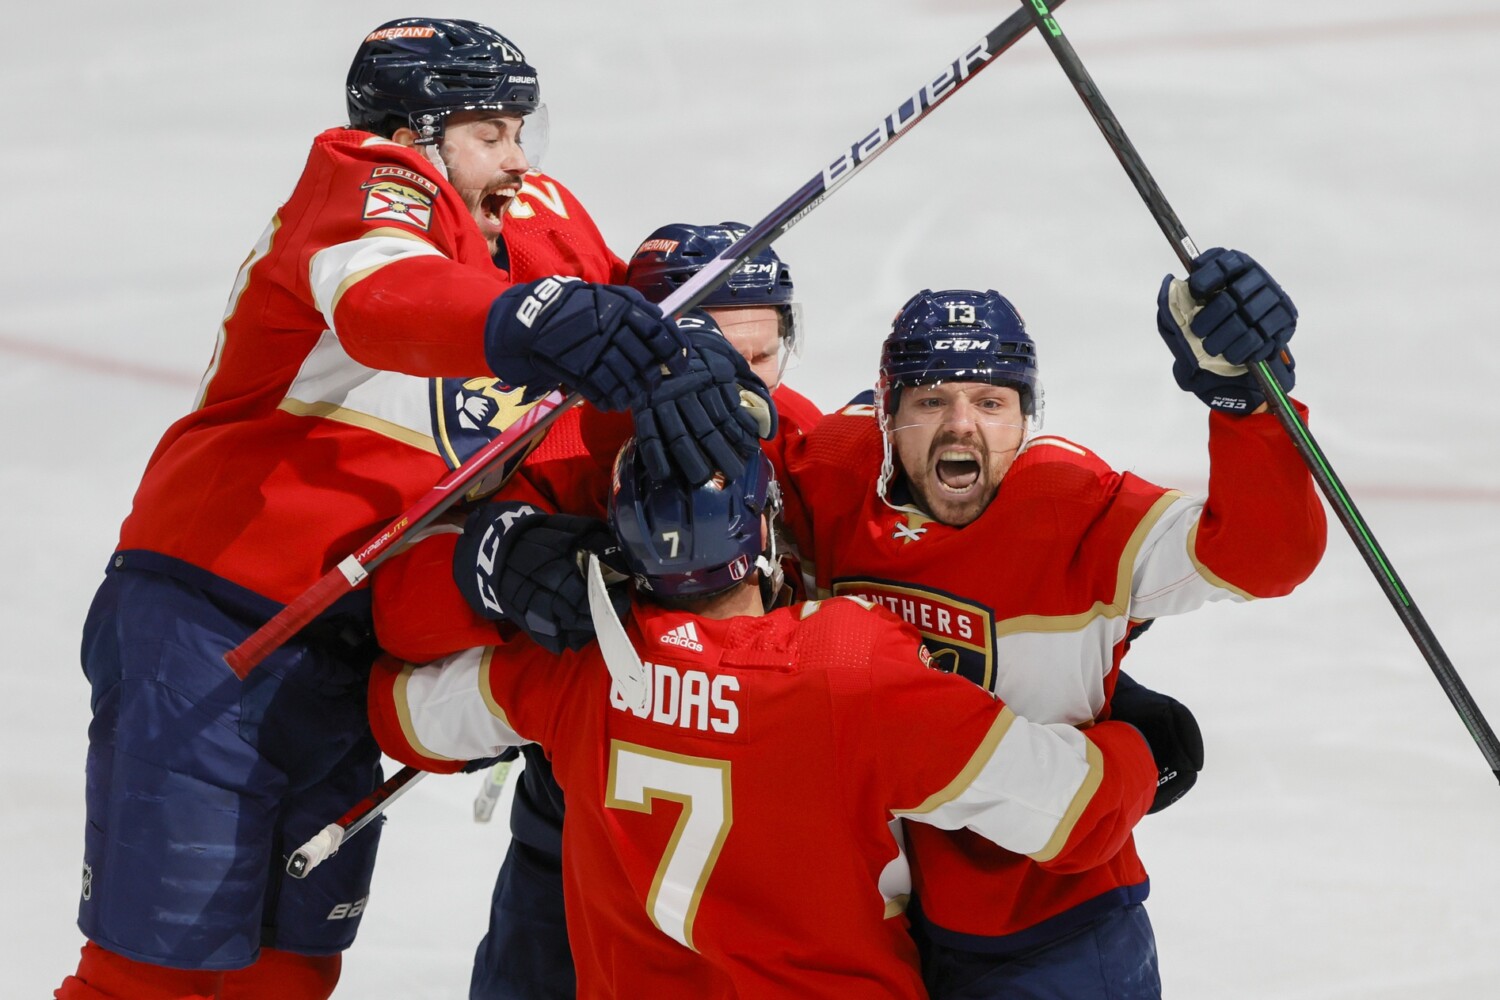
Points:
x=404 y=136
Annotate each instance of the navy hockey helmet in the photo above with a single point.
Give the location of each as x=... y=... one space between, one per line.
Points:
x=959 y=335
x=688 y=542
x=416 y=71
x=674 y=253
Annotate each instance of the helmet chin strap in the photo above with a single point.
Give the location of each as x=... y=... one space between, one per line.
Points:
x=772 y=576
x=772 y=581
x=435 y=157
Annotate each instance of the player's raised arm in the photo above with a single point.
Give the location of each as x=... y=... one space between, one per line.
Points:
x=1261 y=530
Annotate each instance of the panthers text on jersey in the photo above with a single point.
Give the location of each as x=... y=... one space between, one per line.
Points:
x=1034 y=601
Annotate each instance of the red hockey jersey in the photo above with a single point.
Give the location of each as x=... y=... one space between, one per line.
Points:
x=420 y=615
x=732 y=835
x=348 y=375
x=1034 y=599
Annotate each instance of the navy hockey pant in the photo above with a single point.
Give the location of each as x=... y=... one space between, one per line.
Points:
x=525 y=953
x=199 y=784
x=1113 y=958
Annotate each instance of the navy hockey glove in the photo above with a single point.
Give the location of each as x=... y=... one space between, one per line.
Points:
x=712 y=416
x=1229 y=313
x=604 y=341
x=1171 y=731
x=517 y=563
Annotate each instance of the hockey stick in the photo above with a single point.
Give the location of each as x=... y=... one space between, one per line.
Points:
x=1302 y=439
x=352 y=570
x=326 y=843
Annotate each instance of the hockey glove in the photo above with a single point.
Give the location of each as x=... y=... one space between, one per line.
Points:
x=521 y=565
x=1229 y=313
x=712 y=416
x=603 y=341
x=1171 y=731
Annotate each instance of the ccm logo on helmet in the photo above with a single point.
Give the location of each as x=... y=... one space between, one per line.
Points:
x=961 y=344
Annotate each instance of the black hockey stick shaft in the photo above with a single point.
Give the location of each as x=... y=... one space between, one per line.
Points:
x=1322 y=472
x=352 y=570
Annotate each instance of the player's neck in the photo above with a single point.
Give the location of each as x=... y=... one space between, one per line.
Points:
x=742 y=600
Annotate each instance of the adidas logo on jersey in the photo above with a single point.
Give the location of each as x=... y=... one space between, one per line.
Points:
x=685 y=636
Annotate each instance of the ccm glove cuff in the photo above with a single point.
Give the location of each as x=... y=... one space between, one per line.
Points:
x=1229 y=313
x=1170 y=730
x=518 y=564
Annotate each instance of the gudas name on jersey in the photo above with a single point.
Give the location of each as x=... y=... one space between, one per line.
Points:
x=685 y=698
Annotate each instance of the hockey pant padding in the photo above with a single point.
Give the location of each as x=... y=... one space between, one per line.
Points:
x=198 y=784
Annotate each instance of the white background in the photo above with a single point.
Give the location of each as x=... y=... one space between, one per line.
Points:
x=1342 y=841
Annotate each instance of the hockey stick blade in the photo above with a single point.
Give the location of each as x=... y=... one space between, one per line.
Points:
x=851 y=159
x=626 y=670
x=1307 y=447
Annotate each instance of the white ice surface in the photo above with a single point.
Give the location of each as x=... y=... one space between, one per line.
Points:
x=1343 y=840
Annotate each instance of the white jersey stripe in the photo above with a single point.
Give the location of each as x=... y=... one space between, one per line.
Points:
x=334 y=270
x=1024 y=791
x=447 y=712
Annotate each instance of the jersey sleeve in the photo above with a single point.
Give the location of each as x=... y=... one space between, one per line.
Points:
x=957 y=757
x=795 y=413
x=1259 y=533
x=471 y=705
x=394 y=262
x=813 y=470
x=419 y=612
x=420 y=615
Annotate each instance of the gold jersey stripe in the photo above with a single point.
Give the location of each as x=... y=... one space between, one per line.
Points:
x=354 y=418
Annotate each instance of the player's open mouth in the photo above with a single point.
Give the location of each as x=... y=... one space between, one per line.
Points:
x=957 y=471
x=493 y=205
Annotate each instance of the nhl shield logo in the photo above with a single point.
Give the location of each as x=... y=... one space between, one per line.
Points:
x=739 y=568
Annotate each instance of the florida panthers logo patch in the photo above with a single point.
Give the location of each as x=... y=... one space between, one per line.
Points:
x=959 y=635
x=470 y=413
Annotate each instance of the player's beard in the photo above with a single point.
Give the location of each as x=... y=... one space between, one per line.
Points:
x=953 y=492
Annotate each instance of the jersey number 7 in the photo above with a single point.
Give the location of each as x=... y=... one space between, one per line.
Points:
x=638 y=777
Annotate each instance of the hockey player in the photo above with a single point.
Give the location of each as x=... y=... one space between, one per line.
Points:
x=731 y=787
x=1025 y=561
x=337 y=394
x=524 y=952
x=755 y=307
x=507 y=568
